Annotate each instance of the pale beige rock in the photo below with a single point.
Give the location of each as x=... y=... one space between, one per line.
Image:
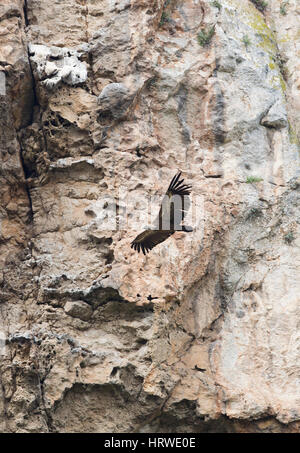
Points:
x=78 y=309
x=201 y=335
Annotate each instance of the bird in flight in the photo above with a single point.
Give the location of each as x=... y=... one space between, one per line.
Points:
x=173 y=208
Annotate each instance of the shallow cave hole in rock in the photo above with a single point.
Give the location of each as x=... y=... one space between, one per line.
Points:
x=114 y=371
x=105 y=117
x=109 y=257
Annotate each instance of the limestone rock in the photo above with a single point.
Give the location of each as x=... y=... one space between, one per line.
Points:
x=55 y=64
x=276 y=117
x=115 y=99
x=104 y=102
x=78 y=309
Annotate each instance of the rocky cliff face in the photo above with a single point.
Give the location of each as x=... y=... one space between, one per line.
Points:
x=101 y=103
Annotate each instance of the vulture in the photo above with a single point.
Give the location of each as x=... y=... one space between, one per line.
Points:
x=171 y=214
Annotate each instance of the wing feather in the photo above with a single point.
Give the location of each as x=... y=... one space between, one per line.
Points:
x=148 y=239
x=174 y=205
x=177 y=188
x=172 y=211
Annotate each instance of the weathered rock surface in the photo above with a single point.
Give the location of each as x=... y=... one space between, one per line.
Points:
x=276 y=117
x=54 y=65
x=103 y=102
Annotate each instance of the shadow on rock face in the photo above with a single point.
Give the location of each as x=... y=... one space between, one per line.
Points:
x=114 y=101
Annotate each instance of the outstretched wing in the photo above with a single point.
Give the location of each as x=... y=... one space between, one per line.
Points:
x=149 y=239
x=172 y=211
x=174 y=205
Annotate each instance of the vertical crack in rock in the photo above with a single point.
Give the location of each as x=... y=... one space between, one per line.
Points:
x=218 y=111
x=4 y=403
x=223 y=298
x=27 y=188
x=182 y=113
x=47 y=414
x=25 y=9
x=89 y=52
x=26 y=170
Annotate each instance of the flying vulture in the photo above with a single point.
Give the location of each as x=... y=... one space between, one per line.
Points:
x=172 y=211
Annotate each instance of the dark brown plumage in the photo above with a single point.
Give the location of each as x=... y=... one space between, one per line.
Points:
x=171 y=214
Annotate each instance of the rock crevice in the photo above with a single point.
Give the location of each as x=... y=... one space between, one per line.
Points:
x=103 y=103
